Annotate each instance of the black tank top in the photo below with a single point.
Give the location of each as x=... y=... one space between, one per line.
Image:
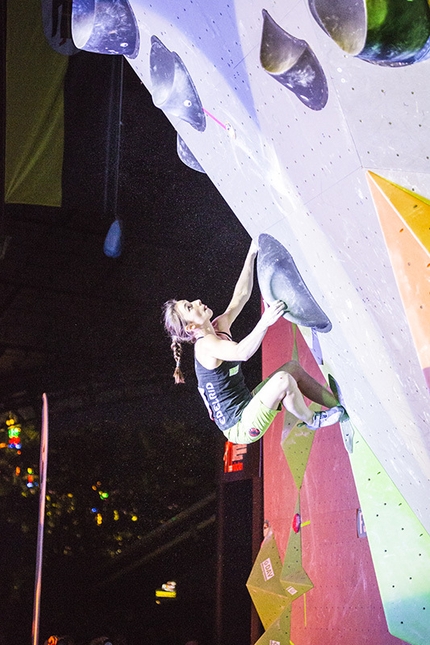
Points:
x=224 y=391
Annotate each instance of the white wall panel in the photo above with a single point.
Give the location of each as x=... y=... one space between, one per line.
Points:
x=300 y=175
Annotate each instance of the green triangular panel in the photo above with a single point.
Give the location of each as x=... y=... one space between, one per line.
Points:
x=269 y=606
x=294 y=578
x=267 y=567
x=279 y=632
x=297 y=447
x=400 y=548
x=263 y=583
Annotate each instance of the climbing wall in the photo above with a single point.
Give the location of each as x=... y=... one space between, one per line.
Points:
x=353 y=555
x=312 y=119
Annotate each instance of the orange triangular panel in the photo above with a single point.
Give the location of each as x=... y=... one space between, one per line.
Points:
x=412 y=208
x=411 y=265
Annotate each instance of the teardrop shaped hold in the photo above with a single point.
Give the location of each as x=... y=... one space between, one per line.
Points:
x=292 y=63
x=279 y=279
x=186 y=156
x=345 y=21
x=173 y=90
x=392 y=33
x=105 y=27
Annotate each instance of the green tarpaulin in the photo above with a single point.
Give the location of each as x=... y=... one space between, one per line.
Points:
x=34 y=109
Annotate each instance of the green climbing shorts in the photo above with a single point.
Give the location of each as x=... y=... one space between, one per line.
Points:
x=255 y=420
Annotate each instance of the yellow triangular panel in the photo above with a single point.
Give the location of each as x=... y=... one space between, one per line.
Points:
x=413 y=209
x=279 y=632
x=263 y=584
x=296 y=446
x=411 y=265
x=294 y=578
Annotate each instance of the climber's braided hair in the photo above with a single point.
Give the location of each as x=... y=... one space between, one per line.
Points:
x=174 y=324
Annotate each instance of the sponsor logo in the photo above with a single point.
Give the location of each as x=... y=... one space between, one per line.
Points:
x=254 y=433
x=214 y=403
x=267 y=569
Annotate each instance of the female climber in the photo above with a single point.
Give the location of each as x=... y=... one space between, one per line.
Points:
x=243 y=416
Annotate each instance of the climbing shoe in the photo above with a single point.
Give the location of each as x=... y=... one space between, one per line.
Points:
x=327 y=417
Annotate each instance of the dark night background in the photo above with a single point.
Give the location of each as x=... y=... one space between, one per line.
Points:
x=86 y=330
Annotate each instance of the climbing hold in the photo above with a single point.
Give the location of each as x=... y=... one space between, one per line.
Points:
x=279 y=279
x=173 y=90
x=346 y=427
x=297 y=522
x=345 y=22
x=293 y=64
x=186 y=156
x=392 y=34
x=105 y=27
